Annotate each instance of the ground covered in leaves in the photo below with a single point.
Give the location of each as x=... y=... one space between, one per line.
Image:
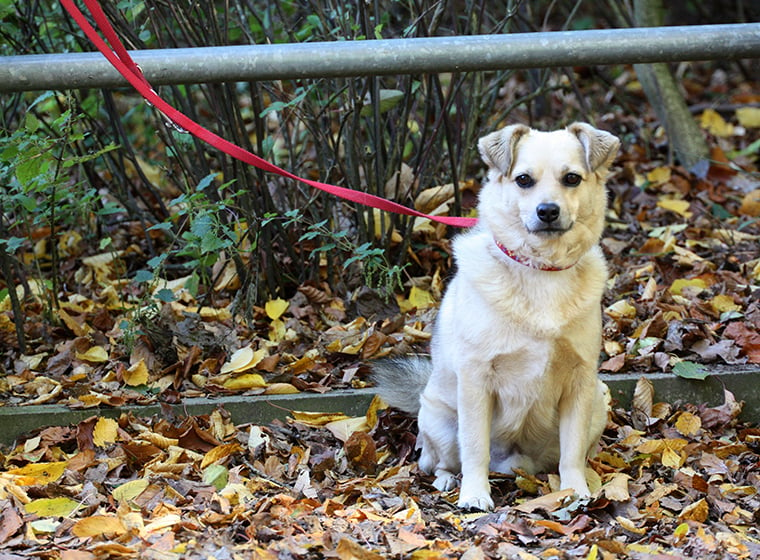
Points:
x=669 y=484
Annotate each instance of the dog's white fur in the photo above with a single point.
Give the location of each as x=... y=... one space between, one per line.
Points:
x=515 y=348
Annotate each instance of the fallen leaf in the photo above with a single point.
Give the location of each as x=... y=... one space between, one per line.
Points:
x=548 y=502
x=220 y=453
x=105 y=432
x=97 y=525
x=688 y=424
x=96 y=354
x=275 y=308
x=711 y=121
x=348 y=549
x=39 y=473
x=52 y=507
x=698 y=511
x=678 y=206
x=243 y=359
x=244 y=382
x=615 y=487
x=130 y=490
x=136 y=374
x=748 y=117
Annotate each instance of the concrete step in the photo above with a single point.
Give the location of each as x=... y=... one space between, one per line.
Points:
x=743 y=382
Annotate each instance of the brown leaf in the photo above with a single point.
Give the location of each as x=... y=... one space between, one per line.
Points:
x=361 y=452
x=348 y=549
x=10 y=522
x=548 y=502
x=643 y=396
x=698 y=511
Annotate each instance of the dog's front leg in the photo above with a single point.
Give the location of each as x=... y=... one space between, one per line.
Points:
x=475 y=410
x=574 y=417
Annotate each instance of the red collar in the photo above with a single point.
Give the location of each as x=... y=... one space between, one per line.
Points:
x=527 y=262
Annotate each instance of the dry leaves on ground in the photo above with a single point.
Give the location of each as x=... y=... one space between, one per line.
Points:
x=669 y=483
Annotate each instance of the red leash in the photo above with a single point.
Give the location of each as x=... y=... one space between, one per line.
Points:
x=120 y=59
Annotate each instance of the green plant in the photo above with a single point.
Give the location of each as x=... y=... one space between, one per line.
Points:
x=376 y=271
x=43 y=197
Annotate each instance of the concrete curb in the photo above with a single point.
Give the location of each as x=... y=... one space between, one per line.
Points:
x=744 y=383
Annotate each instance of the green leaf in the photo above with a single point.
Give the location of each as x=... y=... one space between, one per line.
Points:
x=690 y=370
x=28 y=170
x=31 y=123
x=12 y=243
x=389 y=98
x=165 y=295
x=206 y=181
x=143 y=276
x=216 y=476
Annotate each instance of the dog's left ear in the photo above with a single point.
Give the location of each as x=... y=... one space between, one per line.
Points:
x=600 y=147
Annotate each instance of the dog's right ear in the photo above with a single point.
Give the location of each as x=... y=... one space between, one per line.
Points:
x=498 y=148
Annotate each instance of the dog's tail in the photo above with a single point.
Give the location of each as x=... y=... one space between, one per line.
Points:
x=400 y=381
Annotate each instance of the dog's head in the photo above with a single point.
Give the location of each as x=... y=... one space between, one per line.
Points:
x=545 y=196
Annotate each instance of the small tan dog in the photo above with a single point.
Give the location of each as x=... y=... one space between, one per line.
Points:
x=513 y=379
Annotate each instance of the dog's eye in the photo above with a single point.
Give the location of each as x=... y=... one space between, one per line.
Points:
x=524 y=181
x=572 y=180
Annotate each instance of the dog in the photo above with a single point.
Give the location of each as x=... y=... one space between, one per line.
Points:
x=512 y=379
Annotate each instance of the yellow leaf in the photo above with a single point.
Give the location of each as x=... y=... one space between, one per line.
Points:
x=751 y=204
x=712 y=122
x=695 y=285
x=351 y=550
x=593 y=553
x=39 y=473
x=419 y=298
x=748 y=117
x=342 y=429
x=281 y=389
x=52 y=507
x=621 y=310
x=659 y=175
x=671 y=459
x=698 y=511
x=80 y=330
x=675 y=205
x=137 y=374
x=245 y=382
x=681 y=531
x=277 y=330
x=219 y=453
x=275 y=308
x=98 y=525
x=688 y=424
x=130 y=490
x=650 y=446
x=317 y=418
x=244 y=359
x=96 y=354
x=723 y=303
x=106 y=431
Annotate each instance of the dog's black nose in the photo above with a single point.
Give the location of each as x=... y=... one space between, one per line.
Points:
x=547 y=212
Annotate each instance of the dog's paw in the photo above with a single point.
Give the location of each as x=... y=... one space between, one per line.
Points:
x=481 y=503
x=577 y=483
x=444 y=480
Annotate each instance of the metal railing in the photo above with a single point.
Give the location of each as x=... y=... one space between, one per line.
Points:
x=389 y=56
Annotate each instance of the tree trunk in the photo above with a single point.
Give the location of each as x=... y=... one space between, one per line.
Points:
x=686 y=142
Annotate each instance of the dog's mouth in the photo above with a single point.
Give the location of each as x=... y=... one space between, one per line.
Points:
x=549 y=230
